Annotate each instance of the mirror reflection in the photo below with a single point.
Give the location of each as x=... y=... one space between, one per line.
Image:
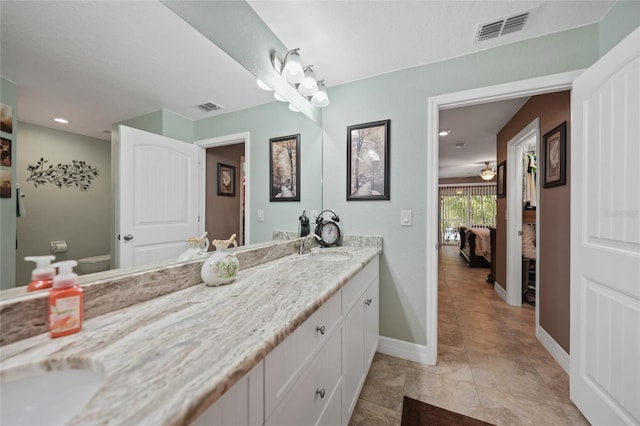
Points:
x=58 y=218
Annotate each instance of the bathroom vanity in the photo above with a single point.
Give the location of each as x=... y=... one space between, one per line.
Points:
x=289 y=342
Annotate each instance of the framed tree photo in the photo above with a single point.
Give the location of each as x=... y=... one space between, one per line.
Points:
x=554 y=146
x=368 y=161
x=284 y=170
x=226 y=180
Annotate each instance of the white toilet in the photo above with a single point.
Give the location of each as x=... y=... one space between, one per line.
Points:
x=89 y=265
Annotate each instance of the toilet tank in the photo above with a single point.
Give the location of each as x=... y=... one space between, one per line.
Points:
x=89 y=265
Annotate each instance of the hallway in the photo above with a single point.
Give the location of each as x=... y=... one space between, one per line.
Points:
x=490 y=364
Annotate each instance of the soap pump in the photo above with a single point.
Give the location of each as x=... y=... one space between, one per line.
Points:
x=42 y=275
x=65 y=301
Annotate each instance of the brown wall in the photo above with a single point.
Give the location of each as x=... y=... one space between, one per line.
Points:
x=222 y=212
x=553 y=213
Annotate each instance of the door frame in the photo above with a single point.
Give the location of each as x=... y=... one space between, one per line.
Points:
x=514 y=213
x=236 y=138
x=516 y=89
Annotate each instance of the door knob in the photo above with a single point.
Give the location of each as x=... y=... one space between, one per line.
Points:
x=128 y=237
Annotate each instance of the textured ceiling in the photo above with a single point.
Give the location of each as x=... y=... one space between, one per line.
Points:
x=100 y=62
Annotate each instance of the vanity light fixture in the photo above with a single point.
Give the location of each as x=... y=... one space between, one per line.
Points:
x=487 y=173
x=320 y=98
x=61 y=120
x=263 y=86
x=301 y=77
x=293 y=71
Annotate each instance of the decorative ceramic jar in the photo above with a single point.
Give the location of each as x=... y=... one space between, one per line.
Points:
x=196 y=246
x=222 y=266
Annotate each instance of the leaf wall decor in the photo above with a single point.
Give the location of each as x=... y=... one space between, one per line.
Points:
x=77 y=174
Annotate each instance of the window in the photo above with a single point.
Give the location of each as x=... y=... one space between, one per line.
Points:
x=472 y=206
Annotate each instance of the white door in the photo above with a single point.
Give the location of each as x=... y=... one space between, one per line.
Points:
x=605 y=237
x=158 y=197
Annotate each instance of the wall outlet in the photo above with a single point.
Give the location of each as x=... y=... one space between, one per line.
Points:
x=405 y=218
x=260 y=215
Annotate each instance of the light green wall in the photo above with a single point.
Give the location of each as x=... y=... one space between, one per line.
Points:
x=402 y=97
x=8 y=205
x=163 y=122
x=622 y=19
x=269 y=121
x=81 y=218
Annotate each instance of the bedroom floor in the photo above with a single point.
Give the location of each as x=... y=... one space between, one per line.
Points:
x=490 y=364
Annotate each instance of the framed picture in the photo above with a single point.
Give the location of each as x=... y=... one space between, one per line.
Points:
x=5 y=151
x=284 y=171
x=6 y=118
x=368 y=161
x=226 y=180
x=554 y=145
x=502 y=180
x=5 y=182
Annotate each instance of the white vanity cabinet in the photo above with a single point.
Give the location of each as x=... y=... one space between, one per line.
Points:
x=315 y=375
x=361 y=323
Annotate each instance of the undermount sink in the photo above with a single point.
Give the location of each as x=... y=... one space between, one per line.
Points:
x=324 y=255
x=50 y=398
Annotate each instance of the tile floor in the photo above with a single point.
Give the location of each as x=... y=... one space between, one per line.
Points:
x=490 y=364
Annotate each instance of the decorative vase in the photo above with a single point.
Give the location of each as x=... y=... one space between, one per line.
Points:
x=196 y=246
x=222 y=266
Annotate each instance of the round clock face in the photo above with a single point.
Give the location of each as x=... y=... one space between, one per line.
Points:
x=330 y=233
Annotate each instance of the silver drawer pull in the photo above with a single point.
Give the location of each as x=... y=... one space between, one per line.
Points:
x=320 y=392
x=321 y=329
x=368 y=302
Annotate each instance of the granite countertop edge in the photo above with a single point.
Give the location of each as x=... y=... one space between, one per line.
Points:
x=166 y=360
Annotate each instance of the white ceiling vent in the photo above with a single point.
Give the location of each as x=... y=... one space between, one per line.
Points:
x=501 y=27
x=209 y=106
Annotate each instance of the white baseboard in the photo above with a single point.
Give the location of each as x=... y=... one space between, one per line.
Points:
x=553 y=348
x=501 y=291
x=405 y=350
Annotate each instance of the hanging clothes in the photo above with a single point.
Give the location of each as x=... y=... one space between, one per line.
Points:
x=530 y=169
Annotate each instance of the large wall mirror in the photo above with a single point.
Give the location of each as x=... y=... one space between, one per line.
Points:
x=49 y=39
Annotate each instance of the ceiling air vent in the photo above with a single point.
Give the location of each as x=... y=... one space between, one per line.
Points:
x=209 y=106
x=503 y=26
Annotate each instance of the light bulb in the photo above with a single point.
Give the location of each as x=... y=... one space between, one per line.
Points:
x=320 y=99
x=293 y=71
x=308 y=86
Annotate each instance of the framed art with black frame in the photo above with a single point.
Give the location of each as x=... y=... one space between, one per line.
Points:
x=554 y=146
x=501 y=190
x=226 y=180
x=284 y=168
x=368 y=161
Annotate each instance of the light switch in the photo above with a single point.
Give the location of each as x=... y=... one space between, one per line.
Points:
x=405 y=217
x=260 y=215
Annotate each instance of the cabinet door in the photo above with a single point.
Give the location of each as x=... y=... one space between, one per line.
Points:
x=354 y=328
x=242 y=405
x=372 y=314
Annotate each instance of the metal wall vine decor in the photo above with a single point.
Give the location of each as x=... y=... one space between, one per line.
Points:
x=77 y=174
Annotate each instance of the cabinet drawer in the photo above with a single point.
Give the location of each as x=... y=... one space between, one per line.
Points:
x=316 y=391
x=286 y=363
x=358 y=284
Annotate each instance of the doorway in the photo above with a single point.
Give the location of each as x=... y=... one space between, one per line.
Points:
x=522 y=88
x=225 y=211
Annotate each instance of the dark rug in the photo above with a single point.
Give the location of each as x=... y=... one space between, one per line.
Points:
x=418 y=413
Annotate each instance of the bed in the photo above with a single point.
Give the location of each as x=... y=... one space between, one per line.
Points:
x=476 y=246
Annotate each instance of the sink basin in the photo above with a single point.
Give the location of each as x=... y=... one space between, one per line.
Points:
x=51 y=398
x=331 y=255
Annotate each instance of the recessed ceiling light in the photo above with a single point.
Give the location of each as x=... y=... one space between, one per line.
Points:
x=61 y=120
x=444 y=132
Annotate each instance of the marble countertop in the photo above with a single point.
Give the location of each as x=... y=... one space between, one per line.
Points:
x=165 y=361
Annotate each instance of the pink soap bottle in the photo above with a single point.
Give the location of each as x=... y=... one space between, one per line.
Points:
x=66 y=306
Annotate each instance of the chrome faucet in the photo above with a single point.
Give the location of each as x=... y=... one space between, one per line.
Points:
x=303 y=249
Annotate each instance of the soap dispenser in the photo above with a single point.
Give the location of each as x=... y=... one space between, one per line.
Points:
x=42 y=276
x=65 y=301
